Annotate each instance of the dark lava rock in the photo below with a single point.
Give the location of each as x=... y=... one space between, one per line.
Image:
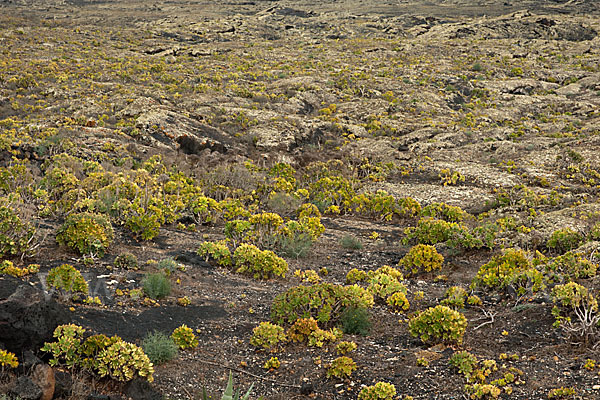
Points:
x=139 y=389
x=63 y=384
x=28 y=316
x=27 y=361
x=25 y=389
x=131 y=326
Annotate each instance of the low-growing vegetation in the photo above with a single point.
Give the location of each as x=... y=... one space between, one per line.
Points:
x=366 y=205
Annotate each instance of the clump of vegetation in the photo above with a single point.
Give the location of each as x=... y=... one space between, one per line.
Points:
x=438 y=324
x=421 y=258
x=570 y=266
x=218 y=251
x=87 y=233
x=184 y=337
x=455 y=235
x=272 y=363
x=561 y=393
x=168 y=266
x=7 y=267
x=355 y=321
x=351 y=242
x=126 y=261
x=16 y=236
x=8 y=359
x=512 y=268
x=156 y=285
x=465 y=362
x=379 y=391
x=345 y=347
x=576 y=312
x=105 y=356
x=307 y=329
x=355 y=275
x=445 y=212
x=341 y=367
x=268 y=336
x=563 y=240
x=324 y=302
x=455 y=297
x=67 y=280
x=159 y=347
x=261 y=264
x=450 y=177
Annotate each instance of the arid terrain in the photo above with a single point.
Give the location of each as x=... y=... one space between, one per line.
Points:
x=341 y=135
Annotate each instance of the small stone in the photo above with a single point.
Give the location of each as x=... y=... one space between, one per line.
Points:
x=43 y=376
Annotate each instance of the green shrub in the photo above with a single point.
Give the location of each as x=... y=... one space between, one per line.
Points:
x=218 y=251
x=87 y=233
x=236 y=230
x=308 y=329
x=483 y=391
x=456 y=236
x=510 y=268
x=350 y=242
x=272 y=363
x=184 y=337
x=421 y=258
x=383 y=285
x=428 y=231
x=438 y=324
x=264 y=227
x=67 y=279
x=516 y=71
x=92 y=346
x=122 y=361
x=296 y=245
x=204 y=209
x=354 y=275
x=261 y=264
x=561 y=393
x=455 y=297
x=324 y=302
x=156 y=286
x=398 y=301
x=67 y=349
x=168 y=265
x=7 y=267
x=16 y=236
x=8 y=359
x=341 y=367
x=110 y=357
x=380 y=205
x=345 y=347
x=444 y=211
x=576 y=312
x=595 y=231
x=563 y=240
x=379 y=391
x=284 y=203
x=465 y=362
x=159 y=347
x=355 y=321
x=126 y=260
x=571 y=266
x=267 y=336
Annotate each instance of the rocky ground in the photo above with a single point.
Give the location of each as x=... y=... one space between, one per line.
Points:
x=493 y=107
